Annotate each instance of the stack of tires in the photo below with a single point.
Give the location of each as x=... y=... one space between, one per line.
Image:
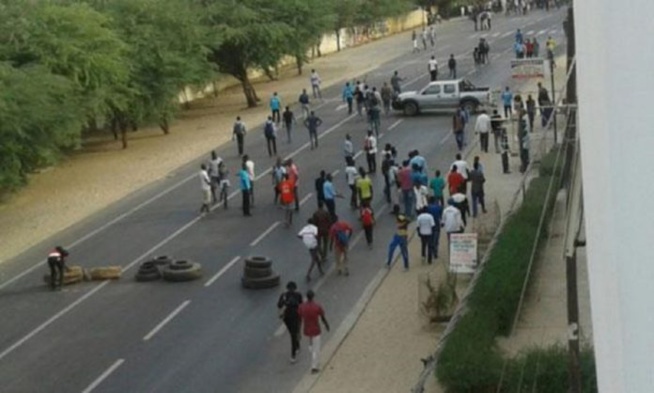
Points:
x=168 y=269
x=258 y=273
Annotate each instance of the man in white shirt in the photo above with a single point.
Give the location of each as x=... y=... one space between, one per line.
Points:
x=420 y=194
x=451 y=220
x=315 y=84
x=205 y=183
x=483 y=128
x=461 y=166
x=433 y=68
x=370 y=146
x=348 y=148
x=426 y=226
x=309 y=236
x=351 y=174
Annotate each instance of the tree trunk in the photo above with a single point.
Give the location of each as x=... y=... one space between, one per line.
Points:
x=248 y=90
x=114 y=126
x=338 y=40
x=163 y=124
x=215 y=88
x=318 y=47
x=299 y=62
x=123 y=132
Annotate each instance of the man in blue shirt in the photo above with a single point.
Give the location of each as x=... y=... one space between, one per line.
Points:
x=348 y=96
x=246 y=186
x=275 y=106
x=436 y=211
x=304 y=101
x=329 y=193
x=507 y=101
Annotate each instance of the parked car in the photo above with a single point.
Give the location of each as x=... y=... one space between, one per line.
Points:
x=445 y=95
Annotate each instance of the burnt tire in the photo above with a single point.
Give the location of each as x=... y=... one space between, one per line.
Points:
x=187 y=274
x=163 y=260
x=182 y=264
x=258 y=262
x=257 y=272
x=261 y=283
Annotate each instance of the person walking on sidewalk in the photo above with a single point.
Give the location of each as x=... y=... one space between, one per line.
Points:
x=289 y=122
x=351 y=175
x=399 y=240
x=387 y=97
x=496 y=126
x=312 y=123
x=451 y=64
x=420 y=195
x=367 y=218
x=304 y=103
x=477 y=181
x=205 y=183
x=275 y=106
x=432 y=66
x=437 y=185
x=364 y=188
x=270 y=132
x=309 y=236
x=323 y=220
x=311 y=313
x=287 y=198
x=507 y=101
x=238 y=133
x=348 y=148
x=315 y=84
x=504 y=145
x=436 y=211
x=406 y=185
x=246 y=188
x=425 y=225
x=339 y=235
x=249 y=165
x=455 y=181
x=288 y=305
x=531 y=111
x=452 y=221
x=348 y=96
x=370 y=147
x=483 y=128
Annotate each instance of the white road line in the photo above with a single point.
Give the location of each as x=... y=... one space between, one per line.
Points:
x=341 y=107
x=359 y=153
x=265 y=233
x=508 y=33
x=540 y=32
x=470 y=72
x=395 y=124
x=166 y=320
x=380 y=136
x=445 y=138
x=306 y=198
x=495 y=35
x=530 y=32
x=336 y=172
x=282 y=328
x=103 y=376
x=473 y=36
x=222 y=271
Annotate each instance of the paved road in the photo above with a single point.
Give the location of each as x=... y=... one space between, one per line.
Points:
x=212 y=335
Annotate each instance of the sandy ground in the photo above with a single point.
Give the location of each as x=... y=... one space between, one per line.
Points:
x=103 y=172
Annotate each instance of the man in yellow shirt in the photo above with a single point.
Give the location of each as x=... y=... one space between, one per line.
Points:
x=364 y=188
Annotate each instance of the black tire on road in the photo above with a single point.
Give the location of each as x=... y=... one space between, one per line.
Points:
x=258 y=262
x=257 y=272
x=411 y=108
x=148 y=275
x=177 y=275
x=261 y=283
x=163 y=260
x=181 y=264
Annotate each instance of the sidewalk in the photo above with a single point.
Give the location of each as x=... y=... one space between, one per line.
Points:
x=382 y=351
x=102 y=173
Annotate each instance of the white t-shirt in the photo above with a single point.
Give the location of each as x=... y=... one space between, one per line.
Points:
x=425 y=223
x=351 y=175
x=452 y=221
x=421 y=197
x=433 y=64
x=483 y=124
x=371 y=142
x=462 y=168
x=315 y=79
x=309 y=235
x=213 y=166
x=204 y=180
x=249 y=164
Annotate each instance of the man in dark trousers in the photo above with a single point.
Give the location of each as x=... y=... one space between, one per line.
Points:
x=57 y=265
x=288 y=305
x=451 y=64
x=320 y=181
x=239 y=134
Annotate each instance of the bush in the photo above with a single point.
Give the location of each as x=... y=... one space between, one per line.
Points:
x=470 y=360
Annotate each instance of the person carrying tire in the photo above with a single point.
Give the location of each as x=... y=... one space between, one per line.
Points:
x=57 y=265
x=309 y=236
x=288 y=305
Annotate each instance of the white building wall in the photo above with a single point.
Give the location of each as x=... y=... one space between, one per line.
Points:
x=615 y=59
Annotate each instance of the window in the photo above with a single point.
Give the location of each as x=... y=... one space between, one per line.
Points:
x=449 y=88
x=465 y=85
x=436 y=89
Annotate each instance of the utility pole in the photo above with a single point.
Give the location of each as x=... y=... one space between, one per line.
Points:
x=553 y=115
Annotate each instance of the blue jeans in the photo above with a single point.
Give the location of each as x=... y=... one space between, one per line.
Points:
x=435 y=238
x=401 y=242
x=458 y=136
x=407 y=198
x=478 y=198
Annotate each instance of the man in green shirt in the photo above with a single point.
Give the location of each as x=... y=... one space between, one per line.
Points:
x=437 y=184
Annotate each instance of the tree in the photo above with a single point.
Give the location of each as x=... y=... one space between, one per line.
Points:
x=246 y=35
x=343 y=12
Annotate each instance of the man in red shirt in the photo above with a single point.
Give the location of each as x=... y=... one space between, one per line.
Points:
x=455 y=181
x=287 y=197
x=339 y=235
x=311 y=313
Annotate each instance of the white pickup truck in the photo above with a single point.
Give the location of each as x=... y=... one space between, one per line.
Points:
x=445 y=95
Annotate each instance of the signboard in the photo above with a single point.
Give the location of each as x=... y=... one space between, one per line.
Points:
x=528 y=68
x=463 y=252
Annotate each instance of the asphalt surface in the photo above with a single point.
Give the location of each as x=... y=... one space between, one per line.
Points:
x=211 y=334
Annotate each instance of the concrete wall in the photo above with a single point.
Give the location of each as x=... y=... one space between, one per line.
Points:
x=615 y=85
x=349 y=38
